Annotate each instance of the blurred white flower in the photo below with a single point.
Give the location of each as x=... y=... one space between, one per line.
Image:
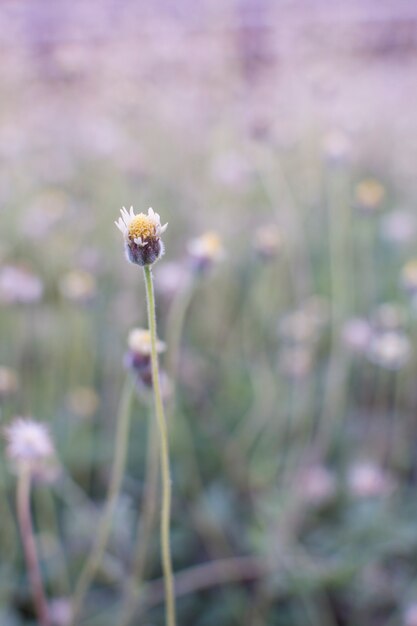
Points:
x=78 y=286
x=205 y=250
x=399 y=227
x=28 y=442
x=357 y=334
x=139 y=342
x=367 y=480
x=390 y=350
x=19 y=285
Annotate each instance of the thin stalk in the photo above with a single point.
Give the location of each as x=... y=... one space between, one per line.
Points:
x=96 y=554
x=46 y=518
x=145 y=526
x=29 y=545
x=215 y=541
x=165 y=471
x=175 y=327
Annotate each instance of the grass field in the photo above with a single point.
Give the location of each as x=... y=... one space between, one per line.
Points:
x=279 y=144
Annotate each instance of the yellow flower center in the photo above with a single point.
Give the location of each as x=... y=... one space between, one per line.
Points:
x=141 y=226
x=211 y=243
x=370 y=193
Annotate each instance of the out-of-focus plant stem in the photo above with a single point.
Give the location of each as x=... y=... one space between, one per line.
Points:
x=145 y=526
x=94 y=559
x=164 y=447
x=29 y=545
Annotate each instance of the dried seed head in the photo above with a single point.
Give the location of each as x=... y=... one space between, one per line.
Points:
x=142 y=236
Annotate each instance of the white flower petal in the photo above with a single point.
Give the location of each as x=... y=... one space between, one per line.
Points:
x=121 y=226
x=163 y=228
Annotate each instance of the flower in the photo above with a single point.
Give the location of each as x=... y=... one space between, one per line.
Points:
x=29 y=442
x=336 y=147
x=409 y=276
x=390 y=350
x=205 y=251
x=268 y=241
x=83 y=402
x=138 y=357
x=139 y=342
x=142 y=235
x=78 y=286
x=138 y=360
x=399 y=227
x=370 y=195
x=357 y=334
x=367 y=480
x=19 y=285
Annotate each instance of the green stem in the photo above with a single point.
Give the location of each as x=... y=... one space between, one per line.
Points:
x=29 y=545
x=165 y=471
x=175 y=325
x=96 y=554
x=145 y=527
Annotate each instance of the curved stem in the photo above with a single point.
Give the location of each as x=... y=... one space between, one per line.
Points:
x=29 y=545
x=96 y=554
x=165 y=471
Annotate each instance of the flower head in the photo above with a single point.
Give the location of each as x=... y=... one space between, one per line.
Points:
x=28 y=442
x=370 y=195
x=268 y=241
x=138 y=356
x=138 y=360
x=142 y=235
x=206 y=250
x=139 y=341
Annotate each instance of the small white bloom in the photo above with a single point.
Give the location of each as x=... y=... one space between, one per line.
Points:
x=142 y=234
x=28 y=441
x=139 y=341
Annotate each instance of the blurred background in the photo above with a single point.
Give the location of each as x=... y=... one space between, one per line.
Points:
x=279 y=140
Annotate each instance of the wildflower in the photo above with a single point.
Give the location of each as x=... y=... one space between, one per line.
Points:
x=368 y=480
x=83 y=402
x=409 y=276
x=268 y=242
x=142 y=235
x=399 y=227
x=139 y=353
x=28 y=443
x=336 y=147
x=390 y=350
x=356 y=334
x=205 y=251
x=389 y=317
x=78 y=286
x=369 y=194
x=19 y=285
